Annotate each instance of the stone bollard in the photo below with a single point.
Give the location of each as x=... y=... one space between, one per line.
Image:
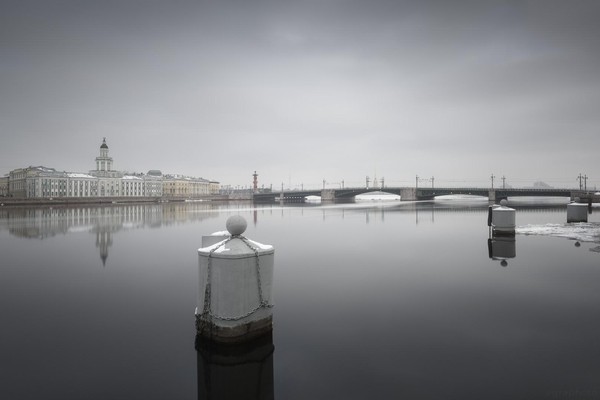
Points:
x=577 y=212
x=502 y=219
x=235 y=286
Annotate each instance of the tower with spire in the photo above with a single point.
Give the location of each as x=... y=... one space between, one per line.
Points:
x=109 y=180
x=103 y=161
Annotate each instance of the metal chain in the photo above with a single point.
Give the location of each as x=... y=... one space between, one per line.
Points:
x=206 y=319
x=262 y=301
x=207 y=313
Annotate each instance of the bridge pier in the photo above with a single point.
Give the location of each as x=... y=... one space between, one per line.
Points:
x=328 y=195
x=408 y=194
x=492 y=195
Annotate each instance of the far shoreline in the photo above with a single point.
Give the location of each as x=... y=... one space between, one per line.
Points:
x=12 y=201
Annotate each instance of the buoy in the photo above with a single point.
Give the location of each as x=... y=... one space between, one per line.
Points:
x=503 y=219
x=235 y=286
x=576 y=211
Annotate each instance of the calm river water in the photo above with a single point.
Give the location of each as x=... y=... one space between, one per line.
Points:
x=372 y=300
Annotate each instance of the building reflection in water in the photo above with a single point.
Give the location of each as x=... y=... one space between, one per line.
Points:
x=236 y=371
x=103 y=242
x=103 y=221
x=502 y=248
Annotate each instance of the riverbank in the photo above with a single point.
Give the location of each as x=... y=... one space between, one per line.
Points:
x=10 y=201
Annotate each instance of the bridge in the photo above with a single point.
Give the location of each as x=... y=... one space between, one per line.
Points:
x=415 y=194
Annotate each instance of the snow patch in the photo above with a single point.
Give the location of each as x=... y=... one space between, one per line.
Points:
x=220 y=248
x=76 y=175
x=460 y=197
x=584 y=231
x=216 y=248
x=377 y=196
x=260 y=245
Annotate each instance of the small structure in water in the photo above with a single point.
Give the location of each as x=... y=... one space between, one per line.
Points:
x=501 y=219
x=235 y=286
x=576 y=211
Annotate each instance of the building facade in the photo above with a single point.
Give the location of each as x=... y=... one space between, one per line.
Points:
x=153 y=183
x=132 y=186
x=4 y=186
x=82 y=185
x=104 y=181
x=178 y=186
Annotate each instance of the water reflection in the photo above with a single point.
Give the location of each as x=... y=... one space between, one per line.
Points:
x=424 y=211
x=502 y=248
x=240 y=372
x=429 y=207
x=102 y=221
x=434 y=315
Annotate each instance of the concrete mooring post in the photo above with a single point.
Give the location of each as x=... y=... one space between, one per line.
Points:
x=577 y=212
x=501 y=219
x=235 y=286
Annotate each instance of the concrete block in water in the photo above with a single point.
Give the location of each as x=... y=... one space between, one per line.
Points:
x=235 y=286
x=503 y=220
x=577 y=212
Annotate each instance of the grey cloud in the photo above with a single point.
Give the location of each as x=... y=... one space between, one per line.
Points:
x=318 y=88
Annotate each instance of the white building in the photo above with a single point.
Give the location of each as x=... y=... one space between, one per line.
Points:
x=82 y=185
x=104 y=181
x=153 y=183
x=3 y=186
x=37 y=181
x=132 y=186
x=42 y=182
x=46 y=182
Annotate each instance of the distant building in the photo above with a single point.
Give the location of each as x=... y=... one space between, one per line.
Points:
x=214 y=187
x=104 y=181
x=36 y=182
x=26 y=182
x=178 y=186
x=153 y=183
x=4 y=186
x=199 y=187
x=175 y=186
x=82 y=185
x=132 y=186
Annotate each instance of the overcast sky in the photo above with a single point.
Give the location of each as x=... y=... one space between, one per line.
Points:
x=302 y=91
